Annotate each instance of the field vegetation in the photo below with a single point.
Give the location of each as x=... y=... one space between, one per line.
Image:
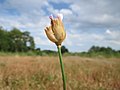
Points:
x=25 y=67
x=43 y=73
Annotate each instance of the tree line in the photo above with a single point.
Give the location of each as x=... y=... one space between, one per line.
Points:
x=15 y=40
x=108 y=50
x=96 y=51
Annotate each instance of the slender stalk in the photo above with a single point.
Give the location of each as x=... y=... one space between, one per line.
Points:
x=62 y=67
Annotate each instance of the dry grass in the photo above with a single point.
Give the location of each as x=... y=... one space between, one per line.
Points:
x=43 y=73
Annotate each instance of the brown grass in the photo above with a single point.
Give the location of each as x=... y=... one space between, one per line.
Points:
x=43 y=73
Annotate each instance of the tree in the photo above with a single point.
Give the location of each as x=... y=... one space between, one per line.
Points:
x=102 y=50
x=15 y=40
x=4 y=40
x=32 y=44
x=28 y=40
x=64 y=49
x=94 y=49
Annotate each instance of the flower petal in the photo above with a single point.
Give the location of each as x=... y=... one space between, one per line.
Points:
x=50 y=34
x=60 y=16
x=51 y=16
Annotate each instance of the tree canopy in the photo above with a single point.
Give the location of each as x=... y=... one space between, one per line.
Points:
x=15 y=40
x=64 y=50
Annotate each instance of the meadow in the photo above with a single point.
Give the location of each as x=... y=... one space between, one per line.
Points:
x=43 y=73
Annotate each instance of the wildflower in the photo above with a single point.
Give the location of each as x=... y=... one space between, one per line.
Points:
x=56 y=32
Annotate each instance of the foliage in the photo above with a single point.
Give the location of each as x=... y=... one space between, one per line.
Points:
x=64 y=50
x=49 y=52
x=96 y=51
x=15 y=41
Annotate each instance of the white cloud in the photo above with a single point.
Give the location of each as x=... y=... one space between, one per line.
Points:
x=97 y=37
x=66 y=12
x=108 y=31
x=40 y=41
x=81 y=18
x=113 y=33
x=114 y=42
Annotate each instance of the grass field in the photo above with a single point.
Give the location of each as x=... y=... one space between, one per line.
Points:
x=43 y=73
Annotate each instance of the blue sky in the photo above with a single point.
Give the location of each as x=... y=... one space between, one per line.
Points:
x=87 y=22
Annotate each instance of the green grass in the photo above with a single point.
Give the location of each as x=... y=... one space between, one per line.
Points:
x=52 y=53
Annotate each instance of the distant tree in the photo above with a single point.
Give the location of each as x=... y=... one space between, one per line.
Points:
x=38 y=49
x=15 y=40
x=94 y=49
x=64 y=49
x=4 y=40
x=103 y=50
x=118 y=51
x=32 y=44
x=28 y=40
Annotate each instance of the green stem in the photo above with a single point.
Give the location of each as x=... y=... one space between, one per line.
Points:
x=62 y=67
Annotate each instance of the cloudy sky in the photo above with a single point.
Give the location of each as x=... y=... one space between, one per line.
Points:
x=87 y=22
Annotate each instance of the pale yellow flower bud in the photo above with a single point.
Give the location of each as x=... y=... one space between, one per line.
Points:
x=56 y=32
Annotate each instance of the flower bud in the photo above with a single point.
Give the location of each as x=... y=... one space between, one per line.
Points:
x=56 y=32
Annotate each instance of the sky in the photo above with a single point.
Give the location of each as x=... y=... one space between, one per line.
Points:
x=87 y=22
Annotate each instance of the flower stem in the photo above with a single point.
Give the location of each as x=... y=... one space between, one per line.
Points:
x=62 y=67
